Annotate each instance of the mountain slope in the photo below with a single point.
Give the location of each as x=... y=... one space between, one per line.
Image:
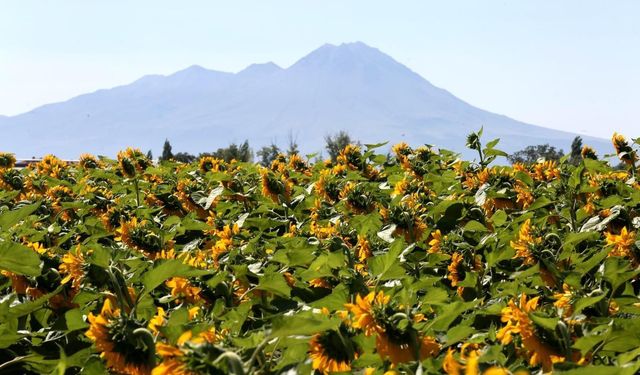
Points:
x=349 y=87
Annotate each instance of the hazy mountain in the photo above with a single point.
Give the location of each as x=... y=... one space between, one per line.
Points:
x=349 y=87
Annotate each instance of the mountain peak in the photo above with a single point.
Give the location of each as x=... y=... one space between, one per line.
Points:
x=258 y=69
x=344 y=56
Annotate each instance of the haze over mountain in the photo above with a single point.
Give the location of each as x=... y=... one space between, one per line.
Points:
x=350 y=87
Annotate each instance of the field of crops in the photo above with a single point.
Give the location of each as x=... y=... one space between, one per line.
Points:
x=414 y=262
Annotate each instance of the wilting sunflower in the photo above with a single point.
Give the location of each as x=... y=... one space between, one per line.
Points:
x=525 y=241
x=516 y=317
x=332 y=351
x=350 y=156
x=117 y=338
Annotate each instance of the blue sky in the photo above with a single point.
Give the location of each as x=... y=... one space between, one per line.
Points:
x=571 y=64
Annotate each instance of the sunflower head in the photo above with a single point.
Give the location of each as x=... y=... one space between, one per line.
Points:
x=131 y=161
x=123 y=341
x=333 y=351
x=211 y=164
x=274 y=187
x=351 y=156
x=7 y=160
x=623 y=149
x=588 y=153
x=88 y=161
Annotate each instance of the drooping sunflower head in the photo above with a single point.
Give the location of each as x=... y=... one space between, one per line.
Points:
x=357 y=197
x=351 y=156
x=51 y=166
x=131 y=161
x=143 y=236
x=11 y=179
x=333 y=351
x=88 y=161
x=73 y=267
x=7 y=160
x=297 y=163
x=623 y=149
x=122 y=341
x=274 y=187
x=211 y=164
x=588 y=153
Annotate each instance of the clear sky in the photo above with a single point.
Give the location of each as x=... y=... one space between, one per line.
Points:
x=570 y=64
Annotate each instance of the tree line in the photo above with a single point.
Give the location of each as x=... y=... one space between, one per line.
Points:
x=334 y=143
x=266 y=155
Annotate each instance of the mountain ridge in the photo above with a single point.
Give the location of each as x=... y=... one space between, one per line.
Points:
x=350 y=87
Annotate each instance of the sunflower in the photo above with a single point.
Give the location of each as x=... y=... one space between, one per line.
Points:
x=275 y=188
x=131 y=161
x=72 y=267
x=588 y=153
x=158 y=320
x=436 y=241
x=563 y=300
x=363 y=248
x=350 y=156
x=191 y=354
x=363 y=311
x=623 y=150
x=454 y=268
x=88 y=161
x=51 y=166
x=516 y=317
x=522 y=245
x=181 y=289
x=524 y=196
x=621 y=244
x=332 y=351
x=399 y=345
x=142 y=236
x=7 y=160
x=111 y=334
x=211 y=164
x=546 y=171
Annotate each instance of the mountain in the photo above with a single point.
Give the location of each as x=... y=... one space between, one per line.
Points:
x=350 y=87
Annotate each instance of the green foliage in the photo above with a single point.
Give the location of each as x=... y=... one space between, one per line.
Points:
x=415 y=262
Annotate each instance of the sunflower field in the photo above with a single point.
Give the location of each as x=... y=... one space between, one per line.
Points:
x=413 y=262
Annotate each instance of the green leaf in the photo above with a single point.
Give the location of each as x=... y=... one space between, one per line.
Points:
x=274 y=282
x=585 y=302
x=303 y=324
x=8 y=219
x=168 y=269
x=74 y=320
x=540 y=203
x=367 y=224
x=19 y=259
x=334 y=301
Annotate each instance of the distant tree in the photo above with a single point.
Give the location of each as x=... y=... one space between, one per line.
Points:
x=335 y=144
x=576 y=150
x=268 y=154
x=184 y=157
x=149 y=155
x=532 y=153
x=293 y=145
x=238 y=152
x=166 y=151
